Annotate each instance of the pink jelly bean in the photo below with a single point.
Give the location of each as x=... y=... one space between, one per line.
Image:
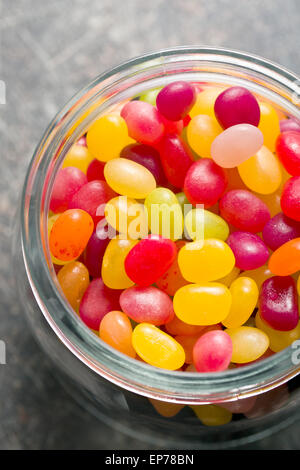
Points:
x=175 y=100
x=148 y=157
x=67 y=182
x=176 y=159
x=147 y=304
x=290 y=198
x=212 y=352
x=244 y=210
x=236 y=144
x=237 y=105
x=288 y=151
x=96 y=302
x=82 y=141
x=95 y=170
x=94 y=251
x=249 y=250
x=205 y=182
x=91 y=197
x=150 y=259
x=291 y=124
x=279 y=230
x=144 y=122
x=278 y=303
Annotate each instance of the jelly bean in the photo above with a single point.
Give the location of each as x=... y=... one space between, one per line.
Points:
x=269 y=124
x=286 y=259
x=212 y=415
x=127 y=216
x=249 y=250
x=267 y=354
x=234 y=179
x=244 y=292
x=74 y=280
x=201 y=132
x=165 y=409
x=113 y=269
x=68 y=181
x=107 y=136
x=164 y=213
x=150 y=259
x=201 y=223
x=185 y=204
x=175 y=100
x=95 y=250
x=272 y=201
x=279 y=230
x=177 y=327
x=261 y=172
x=206 y=260
x=144 y=122
x=244 y=210
x=205 y=183
x=172 y=279
x=148 y=157
x=176 y=159
x=116 y=330
x=188 y=343
x=150 y=96
x=278 y=303
x=202 y=304
x=212 y=352
x=291 y=124
x=279 y=340
x=205 y=102
x=290 y=198
x=172 y=127
x=157 y=348
x=129 y=178
x=50 y=224
x=95 y=170
x=288 y=151
x=70 y=234
x=237 y=105
x=230 y=277
x=147 y=304
x=248 y=344
x=236 y=144
x=91 y=198
x=79 y=157
x=96 y=302
x=259 y=275
x=82 y=141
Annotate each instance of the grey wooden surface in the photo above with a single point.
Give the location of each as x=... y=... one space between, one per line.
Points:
x=48 y=50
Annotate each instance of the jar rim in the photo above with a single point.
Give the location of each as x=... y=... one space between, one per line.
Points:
x=83 y=343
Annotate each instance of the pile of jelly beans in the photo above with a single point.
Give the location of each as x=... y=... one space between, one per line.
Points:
x=219 y=289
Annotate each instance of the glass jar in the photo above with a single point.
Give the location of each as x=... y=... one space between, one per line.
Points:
x=113 y=386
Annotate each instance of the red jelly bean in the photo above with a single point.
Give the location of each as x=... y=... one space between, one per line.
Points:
x=291 y=124
x=237 y=105
x=147 y=304
x=175 y=100
x=288 y=151
x=95 y=170
x=95 y=250
x=67 y=182
x=148 y=157
x=212 y=352
x=173 y=127
x=150 y=259
x=279 y=230
x=244 y=210
x=249 y=250
x=144 y=122
x=278 y=303
x=205 y=182
x=290 y=198
x=176 y=159
x=96 y=302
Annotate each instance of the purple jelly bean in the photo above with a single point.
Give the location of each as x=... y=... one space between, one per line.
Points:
x=278 y=303
x=237 y=105
x=175 y=100
x=148 y=157
x=94 y=251
x=291 y=124
x=249 y=250
x=279 y=230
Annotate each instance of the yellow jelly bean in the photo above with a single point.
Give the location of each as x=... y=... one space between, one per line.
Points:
x=74 y=280
x=127 y=216
x=279 y=340
x=201 y=223
x=227 y=280
x=248 y=343
x=244 y=292
x=201 y=132
x=51 y=221
x=205 y=102
x=129 y=178
x=205 y=260
x=157 y=348
x=78 y=156
x=269 y=124
x=202 y=304
x=107 y=137
x=113 y=270
x=261 y=173
x=212 y=415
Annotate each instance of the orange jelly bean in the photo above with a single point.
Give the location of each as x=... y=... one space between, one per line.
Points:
x=74 y=279
x=286 y=259
x=116 y=330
